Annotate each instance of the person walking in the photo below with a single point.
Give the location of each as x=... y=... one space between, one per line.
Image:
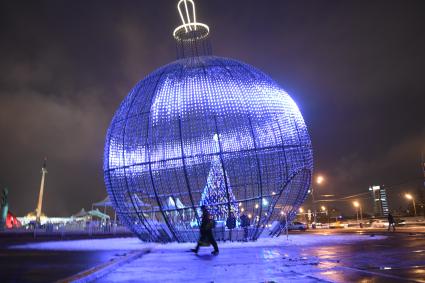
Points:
x=245 y=224
x=231 y=224
x=391 y=222
x=206 y=235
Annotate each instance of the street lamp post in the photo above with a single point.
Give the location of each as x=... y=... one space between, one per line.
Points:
x=410 y=197
x=301 y=210
x=323 y=208
x=286 y=223
x=357 y=212
x=314 y=208
x=319 y=180
x=358 y=207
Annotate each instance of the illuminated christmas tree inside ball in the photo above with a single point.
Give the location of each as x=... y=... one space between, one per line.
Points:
x=205 y=130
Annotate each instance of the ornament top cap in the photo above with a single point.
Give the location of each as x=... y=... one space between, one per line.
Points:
x=190 y=29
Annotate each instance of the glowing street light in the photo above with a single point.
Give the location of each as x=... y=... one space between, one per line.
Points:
x=324 y=209
x=358 y=206
x=301 y=210
x=410 y=197
x=319 y=180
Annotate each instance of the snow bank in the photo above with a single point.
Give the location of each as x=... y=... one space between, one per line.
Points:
x=87 y=245
x=136 y=244
x=293 y=240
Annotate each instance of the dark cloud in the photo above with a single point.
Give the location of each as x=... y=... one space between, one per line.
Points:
x=354 y=68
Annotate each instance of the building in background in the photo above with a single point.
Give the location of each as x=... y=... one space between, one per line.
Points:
x=380 y=201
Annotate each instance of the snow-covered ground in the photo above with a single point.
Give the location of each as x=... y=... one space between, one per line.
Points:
x=136 y=244
x=301 y=258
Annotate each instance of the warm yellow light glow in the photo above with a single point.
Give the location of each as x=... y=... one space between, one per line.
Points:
x=196 y=25
x=187 y=13
x=323 y=208
x=408 y=196
x=189 y=23
x=320 y=179
x=250 y=215
x=301 y=210
x=356 y=203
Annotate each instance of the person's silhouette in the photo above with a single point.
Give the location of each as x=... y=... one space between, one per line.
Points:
x=206 y=235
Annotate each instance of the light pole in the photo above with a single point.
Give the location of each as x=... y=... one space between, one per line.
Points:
x=286 y=223
x=319 y=180
x=301 y=210
x=358 y=207
x=410 y=197
x=423 y=171
x=323 y=208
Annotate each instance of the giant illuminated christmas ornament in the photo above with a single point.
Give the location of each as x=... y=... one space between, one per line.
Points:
x=205 y=130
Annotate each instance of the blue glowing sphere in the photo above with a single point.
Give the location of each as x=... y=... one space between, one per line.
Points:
x=206 y=131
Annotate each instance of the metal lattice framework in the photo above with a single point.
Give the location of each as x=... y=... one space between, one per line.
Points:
x=165 y=135
x=206 y=130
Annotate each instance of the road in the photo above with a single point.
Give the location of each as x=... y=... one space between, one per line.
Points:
x=400 y=257
x=44 y=265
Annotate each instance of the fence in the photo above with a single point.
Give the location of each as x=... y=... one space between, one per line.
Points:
x=69 y=230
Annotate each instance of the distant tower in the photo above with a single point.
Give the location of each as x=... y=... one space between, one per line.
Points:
x=380 y=201
x=40 y=195
x=422 y=192
x=423 y=165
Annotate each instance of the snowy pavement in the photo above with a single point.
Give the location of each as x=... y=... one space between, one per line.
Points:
x=133 y=243
x=302 y=258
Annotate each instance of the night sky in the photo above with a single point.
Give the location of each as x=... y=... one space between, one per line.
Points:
x=355 y=68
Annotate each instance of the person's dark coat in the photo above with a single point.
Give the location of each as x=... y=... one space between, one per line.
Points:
x=231 y=222
x=390 y=219
x=206 y=234
x=244 y=221
x=207 y=224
